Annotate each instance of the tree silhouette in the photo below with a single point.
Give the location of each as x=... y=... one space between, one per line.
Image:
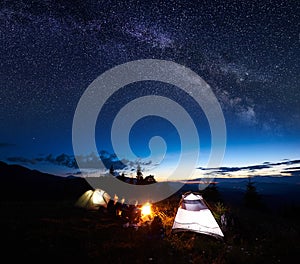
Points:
x=211 y=193
x=139 y=174
x=252 y=199
x=112 y=170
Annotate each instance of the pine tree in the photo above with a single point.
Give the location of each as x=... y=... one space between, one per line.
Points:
x=252 y=198
x=112 y=170
x=139 y=174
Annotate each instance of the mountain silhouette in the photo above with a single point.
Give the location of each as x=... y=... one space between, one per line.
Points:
x=20 y=183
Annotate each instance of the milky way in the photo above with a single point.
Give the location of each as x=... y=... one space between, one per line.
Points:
x=248 y=52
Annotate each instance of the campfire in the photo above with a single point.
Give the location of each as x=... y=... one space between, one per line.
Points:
x=146 y=212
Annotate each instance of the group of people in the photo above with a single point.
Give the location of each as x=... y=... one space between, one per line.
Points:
x=128 y=212
x=131 y=214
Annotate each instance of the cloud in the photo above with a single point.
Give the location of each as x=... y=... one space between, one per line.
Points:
x=22 y=160
x=294 y=168
x=234 y=169
x=272 y=166
x=291 y=172
x=257 y=167
x=62 y=160
x=6 y=144
x=286 y=162
x=89 y=162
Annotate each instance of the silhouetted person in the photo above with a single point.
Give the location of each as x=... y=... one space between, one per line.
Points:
x=157 y=228
x=111 y=209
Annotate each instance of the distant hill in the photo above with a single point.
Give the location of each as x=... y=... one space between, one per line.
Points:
x=274 y=190
x=20 y=183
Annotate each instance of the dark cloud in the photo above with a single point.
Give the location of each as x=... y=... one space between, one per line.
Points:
x=22 y=160
x=257 y=167
x=90 y=161
x=223 y=169
x=6 y=144
x=292 y=172
x=252 y=168
x=294 y=168
x=286 y=162
x=62 y=160
x=234 y=169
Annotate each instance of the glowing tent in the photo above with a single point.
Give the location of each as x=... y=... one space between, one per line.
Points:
x=93 y=199
x=194 y=215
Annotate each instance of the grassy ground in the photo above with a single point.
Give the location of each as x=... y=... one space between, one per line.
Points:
x=41 y=231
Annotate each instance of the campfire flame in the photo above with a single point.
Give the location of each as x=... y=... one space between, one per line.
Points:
x=146 y=210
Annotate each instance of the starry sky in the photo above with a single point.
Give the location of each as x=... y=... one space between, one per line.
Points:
x=247 y=51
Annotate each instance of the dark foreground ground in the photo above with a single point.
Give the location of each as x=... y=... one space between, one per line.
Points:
x=58 y=232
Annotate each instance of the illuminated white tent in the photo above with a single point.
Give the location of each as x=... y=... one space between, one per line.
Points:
x=93 y=199
x=194 y=215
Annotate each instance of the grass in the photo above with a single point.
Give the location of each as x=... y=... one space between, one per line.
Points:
x=47 y=231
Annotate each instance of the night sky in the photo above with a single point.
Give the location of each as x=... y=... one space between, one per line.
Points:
x=247 y=51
